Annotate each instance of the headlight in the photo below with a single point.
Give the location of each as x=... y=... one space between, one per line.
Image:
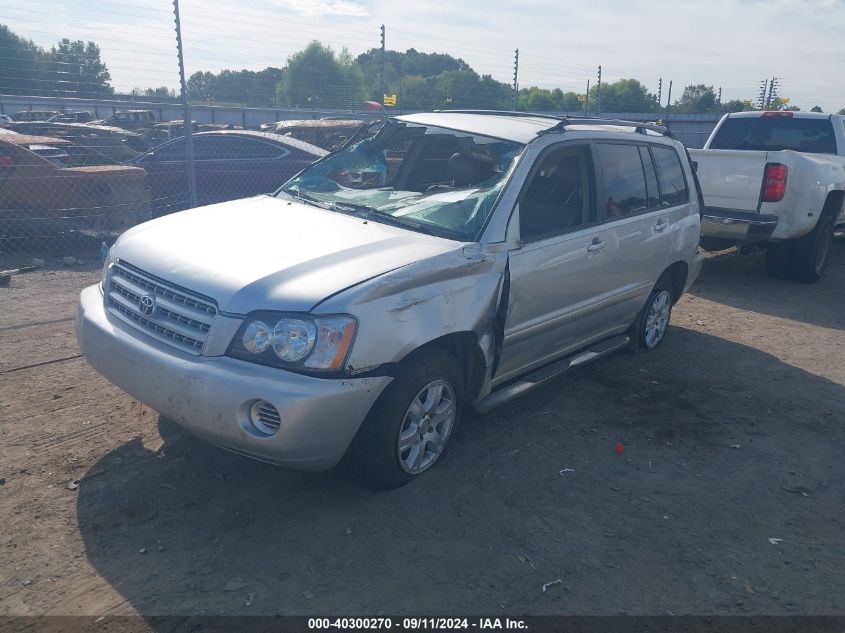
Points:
x=256 y=337
x=295 y=341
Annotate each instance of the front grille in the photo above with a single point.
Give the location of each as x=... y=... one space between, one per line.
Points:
x=180 y=317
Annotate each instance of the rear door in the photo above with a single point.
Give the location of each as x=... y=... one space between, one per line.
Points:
x=637 y=226
x=231 y=166
x=639 y=221
x=558 y=284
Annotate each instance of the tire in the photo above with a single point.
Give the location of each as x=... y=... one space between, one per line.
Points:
x=427 y=376
x=779 y=260
x=649 y=330
x=812 y=252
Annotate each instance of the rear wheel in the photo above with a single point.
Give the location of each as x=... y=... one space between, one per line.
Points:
x=649 y=330
x=407 y=431
x=811 y=254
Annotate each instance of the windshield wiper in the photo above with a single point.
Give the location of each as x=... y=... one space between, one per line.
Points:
x=371 y=213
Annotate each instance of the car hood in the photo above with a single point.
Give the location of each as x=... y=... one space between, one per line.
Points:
x=268 y=253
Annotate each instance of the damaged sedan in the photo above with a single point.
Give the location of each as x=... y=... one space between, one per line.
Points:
x=452 y=260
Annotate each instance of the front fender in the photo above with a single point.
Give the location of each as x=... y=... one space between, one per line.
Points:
x=402 y=310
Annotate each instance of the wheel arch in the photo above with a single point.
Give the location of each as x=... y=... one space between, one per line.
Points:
x=467 y=351
x=675 y=279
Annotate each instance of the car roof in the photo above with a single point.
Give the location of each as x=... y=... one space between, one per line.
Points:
x=515 y=127
x=523 y=127
x=289 y=141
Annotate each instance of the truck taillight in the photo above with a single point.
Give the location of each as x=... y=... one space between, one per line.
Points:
x=6 y=161
x=778 y=113
x=774 y=182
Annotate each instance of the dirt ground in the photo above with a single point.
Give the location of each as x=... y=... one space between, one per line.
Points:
x=733 y=434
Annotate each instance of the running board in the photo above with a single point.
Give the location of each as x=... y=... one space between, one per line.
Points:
x=547 y=372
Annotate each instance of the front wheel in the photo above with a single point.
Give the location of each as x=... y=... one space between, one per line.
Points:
x=649 y=330
x=407 y=431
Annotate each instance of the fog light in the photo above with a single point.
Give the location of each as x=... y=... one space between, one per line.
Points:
x=265 y=417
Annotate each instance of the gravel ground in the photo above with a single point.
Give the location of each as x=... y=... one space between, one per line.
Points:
x=726 y=500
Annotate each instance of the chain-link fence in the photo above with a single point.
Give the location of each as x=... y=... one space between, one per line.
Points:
x=92 y=133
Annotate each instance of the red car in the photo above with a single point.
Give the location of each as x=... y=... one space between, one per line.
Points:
x=229 y=164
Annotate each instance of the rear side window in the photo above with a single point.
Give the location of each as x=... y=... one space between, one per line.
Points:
x=774 y=133
x=624 y=179
x=673 y=185
x=650 y=179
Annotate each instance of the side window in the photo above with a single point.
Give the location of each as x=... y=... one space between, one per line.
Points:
x=650 y=179
x=624 y=180
x=557 y=197
x=673 y=185
x=173 y=151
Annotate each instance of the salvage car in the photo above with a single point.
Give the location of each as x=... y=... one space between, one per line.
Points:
x=367 y=303
x=228 y=164
x=99 y=197
x=775 y=181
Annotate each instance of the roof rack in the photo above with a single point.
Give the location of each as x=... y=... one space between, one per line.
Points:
x=565 y=120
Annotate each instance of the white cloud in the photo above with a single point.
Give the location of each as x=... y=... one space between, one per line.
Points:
x=323 y=8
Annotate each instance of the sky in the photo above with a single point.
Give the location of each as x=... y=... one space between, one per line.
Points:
x=732 y=44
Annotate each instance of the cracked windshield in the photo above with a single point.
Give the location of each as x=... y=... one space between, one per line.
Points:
x=430 y=179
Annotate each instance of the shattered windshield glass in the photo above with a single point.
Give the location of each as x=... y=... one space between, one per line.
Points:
x=426 y=178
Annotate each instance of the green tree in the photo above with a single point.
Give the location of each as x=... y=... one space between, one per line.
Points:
x=316 y=77
x=625 y=95
x=22 y=65
x=76 y=69
x=736 y=105
x=816 y=109
x=697 y=99
x=841 y=111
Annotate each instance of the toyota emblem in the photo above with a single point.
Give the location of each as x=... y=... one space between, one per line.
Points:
x=147 y=304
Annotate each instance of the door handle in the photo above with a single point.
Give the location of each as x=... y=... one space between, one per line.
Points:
x=596 y=246
x=660 y=226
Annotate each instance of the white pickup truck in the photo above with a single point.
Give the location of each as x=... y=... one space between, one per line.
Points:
x=776 y=180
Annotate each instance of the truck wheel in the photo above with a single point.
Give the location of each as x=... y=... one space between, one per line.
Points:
x=409 y=427
x=649 y=330
x=812 y=252
x=779 y=260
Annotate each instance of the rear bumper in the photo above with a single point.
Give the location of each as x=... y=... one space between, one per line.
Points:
x=740 y=226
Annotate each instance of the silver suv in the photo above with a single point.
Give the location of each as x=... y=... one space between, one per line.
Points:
x=451 y=260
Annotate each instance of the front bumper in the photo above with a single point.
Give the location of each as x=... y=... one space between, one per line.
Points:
x=211 y=396
x=739 y=226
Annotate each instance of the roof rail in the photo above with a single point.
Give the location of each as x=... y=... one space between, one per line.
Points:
x=564 y=120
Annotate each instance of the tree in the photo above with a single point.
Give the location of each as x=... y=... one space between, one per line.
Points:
x=22 y=65
x=625 y=95
x=816 y=109
x=315 y=77
x=697 y=99
x=841 y=111
x=161 y=91
x=76 y=69
x=737 y=105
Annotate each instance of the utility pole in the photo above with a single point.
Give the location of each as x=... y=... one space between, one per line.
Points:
x=587 y=97
x=598 y=93
x=189 y=142
x=515 y=78
x=773 y=92
x=719 y=98
x=761 y=95
x=668 y=102
x=381 y=73
x=659 y=92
